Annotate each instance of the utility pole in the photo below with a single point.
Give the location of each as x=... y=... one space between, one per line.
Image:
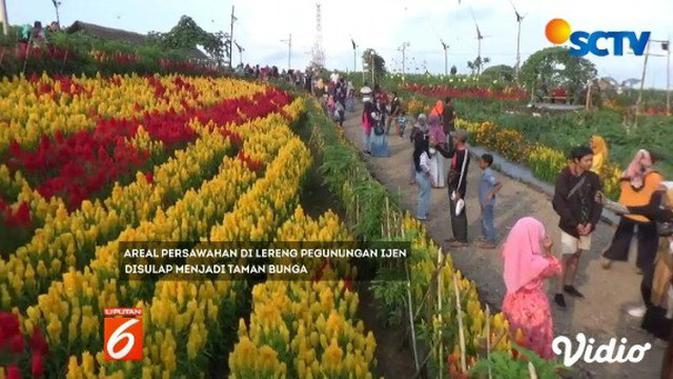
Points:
x=519 y=20
x=240 y=52
x=518 y=48
x=231 y=37
x=371 y=65
x=667 y=46
x=58 y=17
x=289 y=51
x=403 y=49
x=642 y=84
x=355 y=54
x=3 y=17
x=446 y=57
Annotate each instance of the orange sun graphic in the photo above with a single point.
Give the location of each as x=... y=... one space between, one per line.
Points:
x=557 y=31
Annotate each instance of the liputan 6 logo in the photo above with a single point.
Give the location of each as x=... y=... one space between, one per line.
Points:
x=123 y=334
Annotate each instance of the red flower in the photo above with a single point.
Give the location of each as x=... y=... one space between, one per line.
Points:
x=149 y=177
x=10 y=335
x=252 y=164
x=13 y=372
x=16 y=344
x=37 y=343
x=37 y=365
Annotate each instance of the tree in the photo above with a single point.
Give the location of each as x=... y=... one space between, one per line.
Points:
x=454 y=70
x=187 y=34
x=502 y=72
x=553 y=67
x=370 y=56
x=476 y=65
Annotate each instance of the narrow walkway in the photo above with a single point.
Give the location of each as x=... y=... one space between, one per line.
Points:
x=600 y=315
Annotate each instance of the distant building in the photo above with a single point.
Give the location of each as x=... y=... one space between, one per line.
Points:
x=105 y=33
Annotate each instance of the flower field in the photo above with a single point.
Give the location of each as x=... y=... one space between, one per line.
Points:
x=544 y=161
x=442 y=91
x=87 y=164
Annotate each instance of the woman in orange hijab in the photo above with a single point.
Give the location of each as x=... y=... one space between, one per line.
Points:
x=438 y=109
x=638 y=184
x=600 y=149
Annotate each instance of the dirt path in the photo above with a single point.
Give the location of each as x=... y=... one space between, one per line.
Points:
x=600 y=315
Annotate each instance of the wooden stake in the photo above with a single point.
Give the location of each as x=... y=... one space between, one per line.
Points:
x=414 y=349
x=488 y=340
x=357 y=210
x=531 y=370
x=439 y=310
x=461 y=332
x=388 y=216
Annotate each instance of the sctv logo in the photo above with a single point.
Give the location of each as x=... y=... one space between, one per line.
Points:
x=558 y=31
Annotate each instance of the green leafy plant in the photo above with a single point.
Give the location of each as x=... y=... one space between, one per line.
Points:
x=391 y=295
x=503 y=366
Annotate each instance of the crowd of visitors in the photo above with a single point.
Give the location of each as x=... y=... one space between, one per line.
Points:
x=441 y=159
x=36 y=35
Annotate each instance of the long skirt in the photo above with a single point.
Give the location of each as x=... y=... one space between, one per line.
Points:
x=529 y=311
x=379 y=145
x=458 y=223
x=648 y=243
x=437 y=171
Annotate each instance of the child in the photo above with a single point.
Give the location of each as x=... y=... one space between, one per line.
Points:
x=339 y=113
x=401 y=123
x=488 y=188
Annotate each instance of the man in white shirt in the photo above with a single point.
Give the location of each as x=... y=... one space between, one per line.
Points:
x=366 y=93
x=334 y=77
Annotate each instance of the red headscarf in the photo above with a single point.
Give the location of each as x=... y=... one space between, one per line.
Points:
x=438 y=109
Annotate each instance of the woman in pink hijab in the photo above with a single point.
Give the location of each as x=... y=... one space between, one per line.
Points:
x=528 y=261
x=437 y=161
x=640 y=166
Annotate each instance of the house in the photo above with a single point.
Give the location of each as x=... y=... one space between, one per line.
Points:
x=105 y=33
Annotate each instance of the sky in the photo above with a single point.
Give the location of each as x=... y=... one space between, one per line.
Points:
x=262 y=26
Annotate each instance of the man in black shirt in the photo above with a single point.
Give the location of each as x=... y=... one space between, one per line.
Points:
x=457 y=184
x=577 y=200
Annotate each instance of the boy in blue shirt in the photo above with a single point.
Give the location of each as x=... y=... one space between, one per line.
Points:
x=488 y=188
